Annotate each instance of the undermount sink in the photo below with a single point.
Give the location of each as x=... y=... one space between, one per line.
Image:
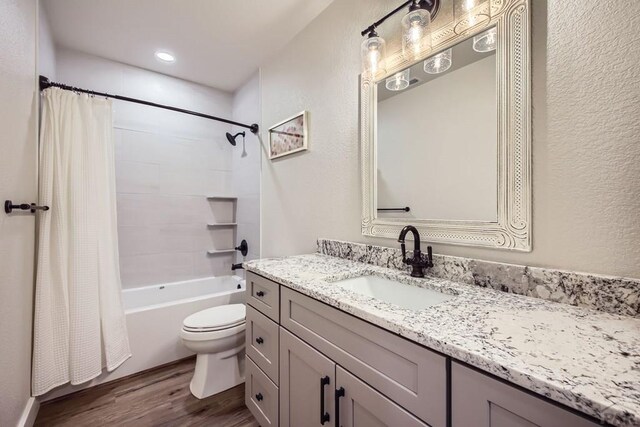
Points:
x=400 y=294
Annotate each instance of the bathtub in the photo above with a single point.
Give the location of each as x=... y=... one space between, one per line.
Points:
x=154 y=318
x=218 y=290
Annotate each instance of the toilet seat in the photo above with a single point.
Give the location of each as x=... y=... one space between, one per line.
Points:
x=212 y=335
x=215 y=319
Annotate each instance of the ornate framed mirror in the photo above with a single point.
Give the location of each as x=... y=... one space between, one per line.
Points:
x=446 y=137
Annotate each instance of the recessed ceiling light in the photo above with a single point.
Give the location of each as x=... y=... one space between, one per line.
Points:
x=165 y=56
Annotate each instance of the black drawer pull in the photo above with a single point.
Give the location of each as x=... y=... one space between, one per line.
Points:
x=339 y=394
x=259 y=397
x=260 y=294
x=324 y=416
x=259 y=340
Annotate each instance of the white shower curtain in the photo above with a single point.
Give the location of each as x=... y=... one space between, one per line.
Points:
x=79 y=323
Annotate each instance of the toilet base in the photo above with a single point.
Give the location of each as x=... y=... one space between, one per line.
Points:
x=217 y=372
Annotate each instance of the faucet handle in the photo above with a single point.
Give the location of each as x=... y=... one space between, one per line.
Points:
x=404 y=252
x=429 y=260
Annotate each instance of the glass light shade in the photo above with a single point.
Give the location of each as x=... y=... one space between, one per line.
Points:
x=416 y=33
x=399 y=81
x=470 y=14
x=438 y=63
x=487 y=41
x=373 y=53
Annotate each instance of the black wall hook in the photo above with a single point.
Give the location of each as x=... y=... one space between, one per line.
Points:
x=9 y=207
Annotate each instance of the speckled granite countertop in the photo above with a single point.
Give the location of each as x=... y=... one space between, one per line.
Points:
x=582 y=358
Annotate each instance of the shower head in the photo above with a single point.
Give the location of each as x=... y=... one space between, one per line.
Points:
x=232 y=138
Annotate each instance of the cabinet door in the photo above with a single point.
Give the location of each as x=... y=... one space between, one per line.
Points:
x=479 y=400
x=359 y=405
x=307 y=382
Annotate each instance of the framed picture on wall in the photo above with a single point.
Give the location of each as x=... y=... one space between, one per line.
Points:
x=288 y=136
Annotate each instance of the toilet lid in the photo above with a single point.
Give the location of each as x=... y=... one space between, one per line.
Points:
x=216 y=318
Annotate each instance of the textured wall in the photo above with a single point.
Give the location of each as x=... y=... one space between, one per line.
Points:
x=166 y=165
x=586 y=136
x=46 y=46
x=18 y=150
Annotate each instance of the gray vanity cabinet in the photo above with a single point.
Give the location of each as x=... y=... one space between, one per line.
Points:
x=308 y=385
x=300 y=351
x=362 y=406
x=479 y=400
x=307 y=381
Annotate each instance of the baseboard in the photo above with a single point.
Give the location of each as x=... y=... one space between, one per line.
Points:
x=29 y=413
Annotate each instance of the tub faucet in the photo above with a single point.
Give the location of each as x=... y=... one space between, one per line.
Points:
x=237 y=266
x=419 y=262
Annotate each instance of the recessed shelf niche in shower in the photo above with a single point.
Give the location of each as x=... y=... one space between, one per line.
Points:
x=225 y=199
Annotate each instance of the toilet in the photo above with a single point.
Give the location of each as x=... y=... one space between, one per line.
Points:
x=217 y=336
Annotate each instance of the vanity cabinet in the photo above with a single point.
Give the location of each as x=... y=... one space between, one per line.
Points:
x=315 y=391
x=309 y=363
x=359 y=405
x=261 y=395
x=479 y=400
x=306 y=385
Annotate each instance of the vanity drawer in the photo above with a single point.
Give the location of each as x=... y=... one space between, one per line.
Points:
x=261 y=396
x=409 y=374
x=263 y=295
x=262 y=342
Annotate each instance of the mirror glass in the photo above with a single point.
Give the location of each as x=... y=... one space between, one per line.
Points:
x=437 y=136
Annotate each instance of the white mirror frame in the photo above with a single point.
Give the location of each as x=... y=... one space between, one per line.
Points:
x=512 y=230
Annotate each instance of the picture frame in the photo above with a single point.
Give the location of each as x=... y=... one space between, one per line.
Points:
x=288 y=136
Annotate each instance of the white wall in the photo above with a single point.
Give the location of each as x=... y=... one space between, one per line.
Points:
x=456 y=160
x=18 y=151
x=46 y=46
x=586 y=131
x=166 y=163
x=246 y=167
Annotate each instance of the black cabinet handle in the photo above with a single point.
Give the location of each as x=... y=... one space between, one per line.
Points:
x=339 y=394
x=259 y=340
x=324 y=416
x=259 y=397
x=260 y=294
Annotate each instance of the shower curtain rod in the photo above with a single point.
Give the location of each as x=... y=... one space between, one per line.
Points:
x=46 y=83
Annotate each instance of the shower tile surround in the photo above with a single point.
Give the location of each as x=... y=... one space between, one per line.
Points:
x=166 y=165
x=615 y=295
x=579 y=357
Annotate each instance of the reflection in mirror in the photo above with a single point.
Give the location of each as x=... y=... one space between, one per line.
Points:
x=437 y=136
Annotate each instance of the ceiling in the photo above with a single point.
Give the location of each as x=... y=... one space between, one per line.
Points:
x=218 y=43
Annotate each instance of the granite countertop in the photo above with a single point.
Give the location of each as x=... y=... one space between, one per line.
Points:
x=582 y=358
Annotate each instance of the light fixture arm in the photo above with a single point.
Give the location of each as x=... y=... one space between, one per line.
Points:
x=431 y=5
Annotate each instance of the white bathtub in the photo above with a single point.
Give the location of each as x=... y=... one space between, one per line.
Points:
x=154 y=319
x=223 y=288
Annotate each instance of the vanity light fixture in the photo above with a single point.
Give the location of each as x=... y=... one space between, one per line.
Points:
x=438 y=63
x=486 y=42
x=416 y=35
x=470 y=14
x=399 y=81
x=373 y=52
x=416 y=31
x=165 y=56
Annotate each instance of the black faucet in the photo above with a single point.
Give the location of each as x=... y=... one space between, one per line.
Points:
x=237 y=266
x=418 y=262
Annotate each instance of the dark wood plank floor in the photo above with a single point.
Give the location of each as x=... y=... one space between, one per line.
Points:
x=159 y=397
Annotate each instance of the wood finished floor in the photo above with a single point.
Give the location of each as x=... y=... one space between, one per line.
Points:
x=159 y=397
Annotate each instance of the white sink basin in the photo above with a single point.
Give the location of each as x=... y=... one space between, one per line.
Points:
x=403 y=295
